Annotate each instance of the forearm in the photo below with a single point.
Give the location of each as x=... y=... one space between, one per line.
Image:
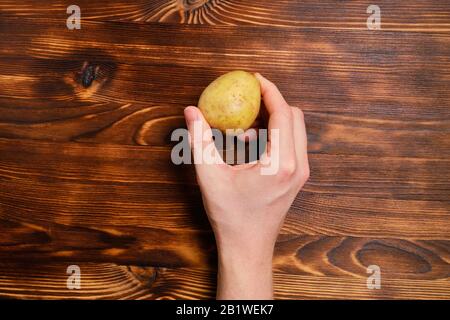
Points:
x=245 y=273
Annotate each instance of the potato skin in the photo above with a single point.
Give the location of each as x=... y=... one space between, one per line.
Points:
x=232 y=101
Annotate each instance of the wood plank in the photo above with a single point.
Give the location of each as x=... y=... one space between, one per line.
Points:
x=295 y=254
x=110 y=281
x=360 y=216
x=392 y=178
x=98 y=281
x=100 y=185
x=355 y=73
x=417 y=15
x=140 y=124
x=54 y=242
x=198 y=284
x=350 y=256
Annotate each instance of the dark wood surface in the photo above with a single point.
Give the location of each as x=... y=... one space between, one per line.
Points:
x=85 y=171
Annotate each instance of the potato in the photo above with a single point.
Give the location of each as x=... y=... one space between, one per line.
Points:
x=231 y=101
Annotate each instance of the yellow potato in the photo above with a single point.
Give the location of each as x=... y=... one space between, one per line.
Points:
x=231 y=101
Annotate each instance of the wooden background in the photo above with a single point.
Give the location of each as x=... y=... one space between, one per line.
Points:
x=85 y=171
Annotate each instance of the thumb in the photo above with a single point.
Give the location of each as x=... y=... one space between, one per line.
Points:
x=201 y=139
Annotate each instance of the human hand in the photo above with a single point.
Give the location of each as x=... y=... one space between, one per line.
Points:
x=246 y=209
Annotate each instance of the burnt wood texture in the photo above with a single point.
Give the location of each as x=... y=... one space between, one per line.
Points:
x=85 y=123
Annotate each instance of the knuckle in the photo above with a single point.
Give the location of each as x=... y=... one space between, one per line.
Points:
x=298 y=112
x=286 y=112
x=287 y=169
x=283 y=116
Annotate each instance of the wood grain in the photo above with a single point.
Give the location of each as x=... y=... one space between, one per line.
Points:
x=140 y=186
x=347 y=72
x=98 y=281
x=110 y=281
x=417 y=15
x=389 y=114
x=200 y=284
x=85 y=124
x=294 y=253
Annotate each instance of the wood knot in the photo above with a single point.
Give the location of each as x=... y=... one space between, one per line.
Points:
x=88 y=74
x=92 y=76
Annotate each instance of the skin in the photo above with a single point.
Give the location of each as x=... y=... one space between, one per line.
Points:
x=231 y=101
x=246 y=209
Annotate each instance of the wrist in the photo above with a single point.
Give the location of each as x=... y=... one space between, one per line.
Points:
x=244 y=277
x=245 y=252
x=247 y=242
x=245 y=269
x=242 y=252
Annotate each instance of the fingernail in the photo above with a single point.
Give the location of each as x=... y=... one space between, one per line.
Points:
x=190 y=114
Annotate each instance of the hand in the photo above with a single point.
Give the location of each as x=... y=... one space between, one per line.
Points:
x=246 y=209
